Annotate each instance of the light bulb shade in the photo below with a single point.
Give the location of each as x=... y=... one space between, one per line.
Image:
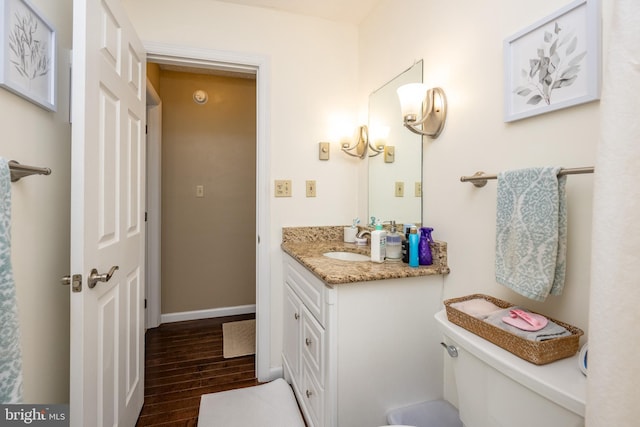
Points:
x=412 y=96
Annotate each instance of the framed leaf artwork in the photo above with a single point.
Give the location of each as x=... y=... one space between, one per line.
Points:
x=27 y=53
x=554 y=63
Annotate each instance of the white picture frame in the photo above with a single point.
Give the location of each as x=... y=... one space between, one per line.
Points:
x=27 y=53
x=555 y=63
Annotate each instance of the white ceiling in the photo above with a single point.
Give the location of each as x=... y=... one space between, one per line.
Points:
x=352 y=11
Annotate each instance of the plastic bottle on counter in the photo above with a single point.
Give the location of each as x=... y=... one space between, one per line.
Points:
x=424 y=249
x=378 y=244
x=414 y=242
x=405 y=243
x=394 y=244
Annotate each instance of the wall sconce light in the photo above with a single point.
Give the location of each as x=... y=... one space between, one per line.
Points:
x=362 y=145
x=431 y=103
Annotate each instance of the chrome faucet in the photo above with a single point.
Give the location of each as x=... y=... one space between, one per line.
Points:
x=363 y=233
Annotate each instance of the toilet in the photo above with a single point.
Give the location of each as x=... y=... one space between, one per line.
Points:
x=498 y=389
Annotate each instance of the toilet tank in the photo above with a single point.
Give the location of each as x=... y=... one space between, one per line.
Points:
x=498 y=389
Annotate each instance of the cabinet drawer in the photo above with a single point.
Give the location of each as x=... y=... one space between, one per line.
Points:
x=292 y=322
x=313 y=397
x=309 y=288
x=313 y=345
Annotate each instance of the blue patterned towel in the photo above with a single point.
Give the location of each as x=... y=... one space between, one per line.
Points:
x=10 y=357
x=531 y=231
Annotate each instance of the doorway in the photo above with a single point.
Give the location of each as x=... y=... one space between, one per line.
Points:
x=238 y=63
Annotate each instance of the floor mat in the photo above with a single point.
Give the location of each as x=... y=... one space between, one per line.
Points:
x=267 y=405
x=239 y=338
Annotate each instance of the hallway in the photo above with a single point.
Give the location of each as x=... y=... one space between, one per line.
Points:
x=184 y=361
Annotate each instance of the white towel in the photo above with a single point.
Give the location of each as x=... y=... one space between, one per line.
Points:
x=479 y=308
x=531 y=231
x=10 y=356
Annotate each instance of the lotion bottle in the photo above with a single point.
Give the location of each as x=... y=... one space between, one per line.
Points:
x=378 y=244
x=414 y=242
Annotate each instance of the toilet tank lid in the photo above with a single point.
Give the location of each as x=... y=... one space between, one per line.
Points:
x=560 y=381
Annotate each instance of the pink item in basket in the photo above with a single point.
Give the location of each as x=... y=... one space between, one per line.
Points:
x=525 y=321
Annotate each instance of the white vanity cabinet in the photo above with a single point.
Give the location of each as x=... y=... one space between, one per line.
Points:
x=305 y=349
x=352 y=352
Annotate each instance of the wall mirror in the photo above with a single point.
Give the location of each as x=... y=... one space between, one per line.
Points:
x=395 y=187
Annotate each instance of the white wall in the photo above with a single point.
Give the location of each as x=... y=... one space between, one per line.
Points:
x=313 y=69
x=319 y=68
x=461 y=44
x=40 y=223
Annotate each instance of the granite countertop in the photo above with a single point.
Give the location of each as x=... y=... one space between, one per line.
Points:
x=307 y=244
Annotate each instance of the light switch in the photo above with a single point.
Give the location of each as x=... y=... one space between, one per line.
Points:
x=311 y=189
x=399 y=189
x=324 y=149
x=199 y=190
x=283 y=188
x=389 y=153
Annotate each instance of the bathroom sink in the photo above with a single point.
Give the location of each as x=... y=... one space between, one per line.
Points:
x=346 y=256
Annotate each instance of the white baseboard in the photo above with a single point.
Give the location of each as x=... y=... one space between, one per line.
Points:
x=206 y=314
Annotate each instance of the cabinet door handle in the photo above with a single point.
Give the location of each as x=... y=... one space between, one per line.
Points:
x=309 y=394
x=296 y=316
x=307 y=341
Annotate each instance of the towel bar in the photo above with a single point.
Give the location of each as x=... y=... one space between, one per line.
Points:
x=479 y=179
x=20 y=171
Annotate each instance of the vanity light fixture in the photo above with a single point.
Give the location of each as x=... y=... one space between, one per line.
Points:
x=431 y=103
x=362 y=145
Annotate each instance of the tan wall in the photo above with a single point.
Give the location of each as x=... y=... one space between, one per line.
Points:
x=153 y=74
x=208 y=243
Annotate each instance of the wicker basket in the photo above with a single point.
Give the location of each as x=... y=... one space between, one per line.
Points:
x=537 y=352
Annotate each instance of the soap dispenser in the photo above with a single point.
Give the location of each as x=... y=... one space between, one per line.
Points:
x=378 y=243
x=394 y=244
x=424 y=249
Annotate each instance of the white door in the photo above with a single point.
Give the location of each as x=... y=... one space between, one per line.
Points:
x=107 y=216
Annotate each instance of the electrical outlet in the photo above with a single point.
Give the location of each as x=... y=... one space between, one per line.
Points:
x=311 y=189
x=399 y=189
x=418 y=189
x=283 y=187
x=199 y=190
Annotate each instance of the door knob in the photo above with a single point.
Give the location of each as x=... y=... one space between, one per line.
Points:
x=95 y=277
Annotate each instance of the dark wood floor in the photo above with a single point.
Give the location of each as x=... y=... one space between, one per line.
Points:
x=184 y=361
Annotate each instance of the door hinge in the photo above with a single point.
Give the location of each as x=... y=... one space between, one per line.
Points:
x=146 y=214
x=145 y=303
x=146 y=129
